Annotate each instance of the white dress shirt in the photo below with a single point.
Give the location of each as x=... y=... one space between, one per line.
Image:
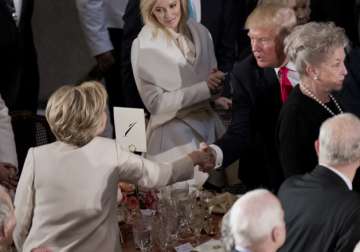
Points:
x=96 y=16
x=18 y=6
x=293 y=75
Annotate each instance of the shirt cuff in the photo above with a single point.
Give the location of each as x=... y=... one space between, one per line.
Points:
x=218 y=154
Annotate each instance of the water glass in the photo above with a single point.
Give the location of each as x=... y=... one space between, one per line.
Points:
x=142 y=235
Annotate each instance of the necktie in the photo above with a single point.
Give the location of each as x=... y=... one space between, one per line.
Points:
x=285 y=84
x=191 y=9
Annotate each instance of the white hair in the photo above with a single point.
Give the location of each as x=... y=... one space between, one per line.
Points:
x=339 y=140
x=251 y=219
x=357 y=248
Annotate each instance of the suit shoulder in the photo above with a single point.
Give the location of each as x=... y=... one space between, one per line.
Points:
x=245 y=66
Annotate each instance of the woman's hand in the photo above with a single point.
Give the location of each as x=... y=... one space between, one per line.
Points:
x=223 y=102
x=204 y=158
x=215 y=81
x=8 y=176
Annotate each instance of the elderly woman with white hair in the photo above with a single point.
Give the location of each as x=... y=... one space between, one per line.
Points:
x=255 y=223
x=66 y=196
x=318 y=52
x=176 y=74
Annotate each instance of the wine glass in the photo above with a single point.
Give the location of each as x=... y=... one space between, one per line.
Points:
x=142 y=235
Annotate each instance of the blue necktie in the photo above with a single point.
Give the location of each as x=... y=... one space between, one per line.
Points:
x=191 y=8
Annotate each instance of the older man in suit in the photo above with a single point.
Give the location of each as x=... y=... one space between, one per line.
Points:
x=322 y=213
x=8 y=158
x=261 y=83
x=19 y=78
x=255 y=223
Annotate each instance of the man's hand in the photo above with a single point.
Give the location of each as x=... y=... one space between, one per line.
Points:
x=223 y=102
x=105 y=61
x=8 y=176
x=204 y=158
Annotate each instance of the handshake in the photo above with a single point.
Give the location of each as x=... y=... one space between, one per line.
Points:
x=204 y=157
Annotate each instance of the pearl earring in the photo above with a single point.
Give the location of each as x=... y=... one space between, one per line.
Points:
x=316 y=77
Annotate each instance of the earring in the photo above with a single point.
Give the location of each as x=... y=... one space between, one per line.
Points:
x=316 y=77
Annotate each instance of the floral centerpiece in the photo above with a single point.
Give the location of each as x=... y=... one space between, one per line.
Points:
x=133 y=199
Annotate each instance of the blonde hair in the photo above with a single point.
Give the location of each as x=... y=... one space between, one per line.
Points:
x=74 y=113
x=312 y=43
x=146 y=8
x=272 y=16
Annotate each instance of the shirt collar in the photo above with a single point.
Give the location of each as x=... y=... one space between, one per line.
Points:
x=342 y=176
x=290 y=65
x=241 y=249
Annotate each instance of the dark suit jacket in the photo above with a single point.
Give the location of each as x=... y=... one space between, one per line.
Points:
x=219 y=17
x=251 y=135
x=18 y=68
x=321 y=213
x=350 y=93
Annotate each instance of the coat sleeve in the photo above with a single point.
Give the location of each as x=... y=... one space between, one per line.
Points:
x=138 y=170
x=7 y=143
x=158 y=100
x=239 y=131
x=24 y=201
x=93 y=21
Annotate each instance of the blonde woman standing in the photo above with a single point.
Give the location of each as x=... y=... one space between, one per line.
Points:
x=176 y=74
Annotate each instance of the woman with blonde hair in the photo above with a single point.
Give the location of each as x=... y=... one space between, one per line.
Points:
x=66 y=196
x=176 y=74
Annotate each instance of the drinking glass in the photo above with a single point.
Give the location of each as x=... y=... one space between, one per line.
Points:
x=142 y=235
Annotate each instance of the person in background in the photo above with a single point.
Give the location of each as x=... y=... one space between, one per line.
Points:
x=8 y=157
x=102 y=24
x=19 y=74
x=176 y=73
x=301 y=8
x=322 y=213
x=66 y=196
x=317 y=50
x=255 y=223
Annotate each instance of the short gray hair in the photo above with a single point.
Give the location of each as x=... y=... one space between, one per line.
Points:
x=339 y=140
x=74 y=113
x=251 y=219
x=313 y=43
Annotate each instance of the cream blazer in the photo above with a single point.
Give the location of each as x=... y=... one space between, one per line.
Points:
x=7 y=142
x=66 y=196
x=175 y=92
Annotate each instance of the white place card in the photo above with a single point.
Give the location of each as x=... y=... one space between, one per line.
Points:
x=130 y=128
x=186 y=247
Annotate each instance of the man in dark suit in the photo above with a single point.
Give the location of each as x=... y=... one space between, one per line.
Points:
x=218 y=17
x=255 y=223
x=19 y=77
x=322 y=213
x=257 y=102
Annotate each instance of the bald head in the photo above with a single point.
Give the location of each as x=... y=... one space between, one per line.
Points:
x=339 y=140
x=254 y=218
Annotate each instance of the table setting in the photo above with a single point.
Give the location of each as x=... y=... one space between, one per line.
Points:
x=179 y=218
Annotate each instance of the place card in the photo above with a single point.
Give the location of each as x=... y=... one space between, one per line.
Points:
x=186 y=247
x=130 y=128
